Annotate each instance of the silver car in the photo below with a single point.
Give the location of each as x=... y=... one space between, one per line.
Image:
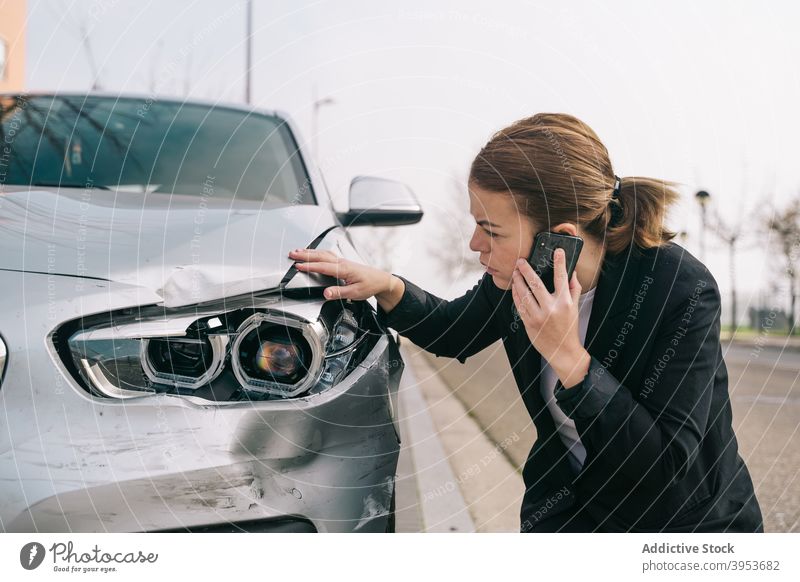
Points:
x=163 y=365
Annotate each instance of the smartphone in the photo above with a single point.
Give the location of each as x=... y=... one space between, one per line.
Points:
x=541 y=257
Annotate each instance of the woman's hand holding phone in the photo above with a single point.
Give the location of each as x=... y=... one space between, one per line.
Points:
x=360 y=281
x=551 y=320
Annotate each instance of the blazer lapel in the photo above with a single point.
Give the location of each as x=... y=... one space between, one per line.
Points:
x=612 y=302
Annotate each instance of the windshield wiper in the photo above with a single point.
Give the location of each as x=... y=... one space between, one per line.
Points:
x=66 y=185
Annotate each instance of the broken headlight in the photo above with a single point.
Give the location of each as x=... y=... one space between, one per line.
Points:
x=342 y=347
x=237 y=355
x=128 y=359
x=274 y=356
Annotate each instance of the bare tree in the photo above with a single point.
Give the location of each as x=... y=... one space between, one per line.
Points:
x=78 y=23
x=187 y=76
x=155 y=64
x=733 y=233
x=785 y=225
x=86 y=43
x=730 y=235
x=383 y=242
x=454 y=232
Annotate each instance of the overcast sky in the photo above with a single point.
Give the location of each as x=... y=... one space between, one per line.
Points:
x=705 y=93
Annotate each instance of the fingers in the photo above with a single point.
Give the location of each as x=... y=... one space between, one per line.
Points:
x=319 y=261
x=313 y=255
x=340 y=292
x=575 y=287
x=533 y=282
x=515 y=297
x=338 y=270
x=560 y=281
x=521 y=292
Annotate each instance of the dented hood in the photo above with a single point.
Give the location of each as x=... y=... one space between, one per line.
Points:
x=186 y=249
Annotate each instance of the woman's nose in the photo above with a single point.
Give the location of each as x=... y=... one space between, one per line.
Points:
x=478 y=243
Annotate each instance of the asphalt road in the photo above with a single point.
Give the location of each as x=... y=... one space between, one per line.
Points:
x=765 y=397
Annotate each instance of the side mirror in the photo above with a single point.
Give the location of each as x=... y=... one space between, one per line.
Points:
x=380 y=202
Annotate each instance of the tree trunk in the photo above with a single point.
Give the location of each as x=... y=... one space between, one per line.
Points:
x=733 y=288
x=792 y=311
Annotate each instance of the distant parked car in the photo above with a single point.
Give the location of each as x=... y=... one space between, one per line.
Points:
x=164 y=366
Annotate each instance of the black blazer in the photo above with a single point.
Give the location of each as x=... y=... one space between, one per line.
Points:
x=653 y=412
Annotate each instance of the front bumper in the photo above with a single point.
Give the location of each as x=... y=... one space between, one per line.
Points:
x=73 y=462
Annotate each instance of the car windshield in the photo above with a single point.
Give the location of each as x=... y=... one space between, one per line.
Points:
x=145 y=145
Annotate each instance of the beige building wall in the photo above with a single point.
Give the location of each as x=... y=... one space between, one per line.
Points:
x=13 y=14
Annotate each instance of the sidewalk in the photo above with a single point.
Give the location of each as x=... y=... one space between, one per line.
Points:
x=423 y=467
x=780 y=342
x=451 y=475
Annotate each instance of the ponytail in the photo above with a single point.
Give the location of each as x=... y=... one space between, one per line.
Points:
x=642 y=208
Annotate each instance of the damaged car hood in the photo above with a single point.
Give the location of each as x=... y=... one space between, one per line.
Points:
x=186 y=249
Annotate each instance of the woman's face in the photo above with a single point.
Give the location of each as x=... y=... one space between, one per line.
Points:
x=502 y=235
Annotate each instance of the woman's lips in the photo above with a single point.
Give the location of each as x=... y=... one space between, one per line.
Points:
x=490 y=270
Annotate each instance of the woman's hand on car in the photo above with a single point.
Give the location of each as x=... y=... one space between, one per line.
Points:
x=360 y=281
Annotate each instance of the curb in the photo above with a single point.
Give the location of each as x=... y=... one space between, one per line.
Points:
x=447 y=512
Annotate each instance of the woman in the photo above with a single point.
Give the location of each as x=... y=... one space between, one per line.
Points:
x=620 y=368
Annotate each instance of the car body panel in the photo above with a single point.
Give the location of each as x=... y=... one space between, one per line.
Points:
x=185 y=249
x=73 y=461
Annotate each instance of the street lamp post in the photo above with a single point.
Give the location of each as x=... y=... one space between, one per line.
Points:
x=315 y=107
x=248 y=91
x=702 y=198
x=732 y=254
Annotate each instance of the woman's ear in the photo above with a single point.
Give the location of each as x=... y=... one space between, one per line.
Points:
x=566 y=228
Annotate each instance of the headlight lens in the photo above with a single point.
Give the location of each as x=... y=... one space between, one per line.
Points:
x=273 y=355
x=185 y=362
x=236 y=355
x=112 y=367
x=280 y=360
